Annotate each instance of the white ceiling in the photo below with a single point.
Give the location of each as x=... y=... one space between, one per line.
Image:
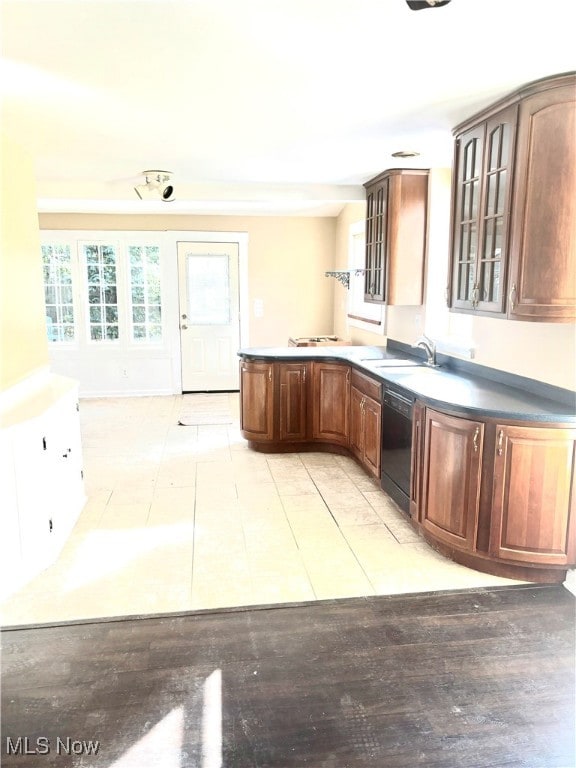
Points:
x=256 y=106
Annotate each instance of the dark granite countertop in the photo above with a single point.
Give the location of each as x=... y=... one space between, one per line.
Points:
x=447 y=388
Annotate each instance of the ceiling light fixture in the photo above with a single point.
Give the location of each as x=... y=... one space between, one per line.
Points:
x=405 y=153
x=418 y=5
x=157 y=184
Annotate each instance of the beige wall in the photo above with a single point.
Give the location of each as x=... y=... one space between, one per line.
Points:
x=287 y=258
x=542 y=351
x=23 y=345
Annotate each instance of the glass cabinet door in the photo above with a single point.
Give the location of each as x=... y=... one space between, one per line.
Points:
x=467 y=206
x=376 y=243
x=496 y=205
x=484 y=159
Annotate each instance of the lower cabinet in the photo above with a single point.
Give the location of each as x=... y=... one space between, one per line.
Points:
x=499 y=497
x=330 y=402
x=451 y=478
x=256 y=400
x=293 y=410
x=533 y=505
x=366 y=422
x=503 y=494
x=42 y=488
x=302 y=402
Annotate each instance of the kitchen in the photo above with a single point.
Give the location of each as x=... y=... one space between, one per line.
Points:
x=289 y=256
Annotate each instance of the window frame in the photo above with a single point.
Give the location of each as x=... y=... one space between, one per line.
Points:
x=359 y=313
x=121 y=241
x=63 y=343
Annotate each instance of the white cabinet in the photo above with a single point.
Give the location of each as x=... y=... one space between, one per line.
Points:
x=42 y=489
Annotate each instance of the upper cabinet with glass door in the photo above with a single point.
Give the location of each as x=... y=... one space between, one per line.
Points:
x=482 y=201
x=396 y=221
x=513 y=215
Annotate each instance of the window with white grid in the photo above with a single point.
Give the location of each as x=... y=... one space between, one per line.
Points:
x=145 y=293
x=101 y=265
x=58 y=293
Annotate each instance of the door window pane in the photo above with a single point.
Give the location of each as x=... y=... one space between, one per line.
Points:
x=101 y=278
x=57 y=265
x=208 y=290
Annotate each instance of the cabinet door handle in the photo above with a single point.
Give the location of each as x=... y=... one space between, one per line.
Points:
x=475 y=439
x=270 y=373
x=475 y=295
x=512 y=296
x=500 y=442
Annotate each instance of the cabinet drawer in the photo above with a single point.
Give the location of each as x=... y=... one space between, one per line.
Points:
x=367 y=385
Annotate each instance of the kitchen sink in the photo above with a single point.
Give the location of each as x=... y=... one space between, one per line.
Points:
x=390 y=363
x=418 y=370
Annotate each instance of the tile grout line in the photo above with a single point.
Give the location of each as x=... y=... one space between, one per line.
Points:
x=292 y=530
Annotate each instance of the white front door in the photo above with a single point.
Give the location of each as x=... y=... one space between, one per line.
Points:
x=209 y=316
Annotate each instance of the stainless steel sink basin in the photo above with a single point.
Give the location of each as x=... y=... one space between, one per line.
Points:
x=418 y=370
x=391 y=363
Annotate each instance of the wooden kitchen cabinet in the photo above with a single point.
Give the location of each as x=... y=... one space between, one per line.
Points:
x=533 y=507
x=257 y=400
x=293 y=404
x=482 y=188
x=542 y=283
x=513 y=243
x=330 y=402
x=451 y=475
x=366 y=421
x=497 y=497
x=396 y=211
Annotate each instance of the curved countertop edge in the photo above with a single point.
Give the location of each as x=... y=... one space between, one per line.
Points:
x=462 y=394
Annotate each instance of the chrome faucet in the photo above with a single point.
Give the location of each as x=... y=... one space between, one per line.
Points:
x=430 y=348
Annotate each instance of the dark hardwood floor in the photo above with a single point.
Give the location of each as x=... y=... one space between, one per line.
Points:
x=466 y=679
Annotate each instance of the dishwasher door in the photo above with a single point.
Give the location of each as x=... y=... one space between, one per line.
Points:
x=397 y=408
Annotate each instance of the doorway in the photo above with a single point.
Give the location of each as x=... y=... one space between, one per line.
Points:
x=208 y=287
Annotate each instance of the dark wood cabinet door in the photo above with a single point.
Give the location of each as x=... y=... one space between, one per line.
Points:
x=466 y=210
x=396 y=218
x=534 y=510
x=293 y=401
x=498 y=166
x=331 y=402
x=482 y=194
x=406 y=244
x=372 y=412
x=257 y=401
x=542 y=285
x=376 y=241
x=451 y=478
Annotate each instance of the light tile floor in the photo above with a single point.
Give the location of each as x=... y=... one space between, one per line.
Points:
x=181 y=518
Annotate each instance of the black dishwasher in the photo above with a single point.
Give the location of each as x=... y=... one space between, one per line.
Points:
x=397 y=407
